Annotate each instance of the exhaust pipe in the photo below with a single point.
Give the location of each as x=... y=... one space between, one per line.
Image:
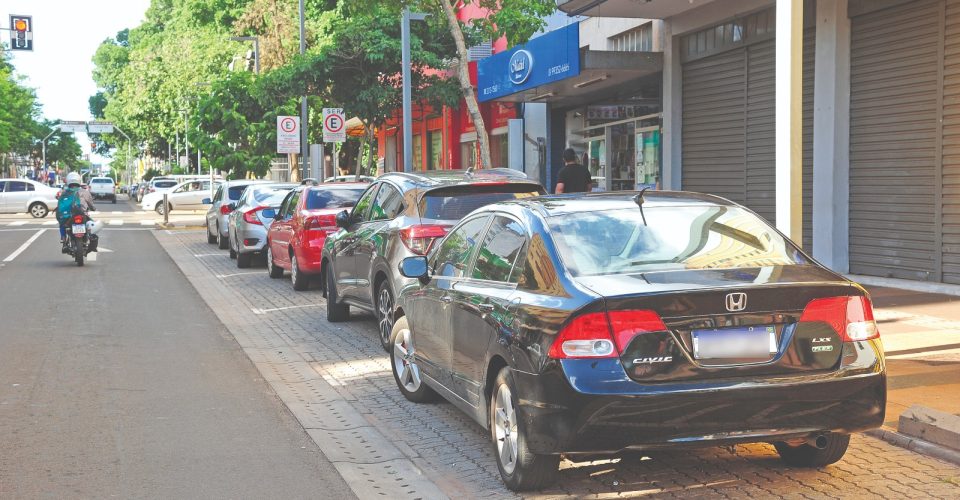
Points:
x=818 y=441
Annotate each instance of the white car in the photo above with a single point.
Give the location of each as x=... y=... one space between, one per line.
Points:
x=103 y=188
x=187 y=195
x=26 y=196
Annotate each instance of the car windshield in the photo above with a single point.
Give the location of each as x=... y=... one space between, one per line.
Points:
x=165 y=184
x=455 y=203
x=674 y=238
x=102 y=181
x=270 y=195
x=339 y=197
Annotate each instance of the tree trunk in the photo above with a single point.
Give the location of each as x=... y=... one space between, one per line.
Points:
x=463 y=72
x=371 y=146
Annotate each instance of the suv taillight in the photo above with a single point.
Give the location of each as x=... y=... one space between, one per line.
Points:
x=419 y=238
x=603 y=335
x=850 y=317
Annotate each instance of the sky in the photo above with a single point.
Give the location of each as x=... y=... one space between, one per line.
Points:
x=66 y=34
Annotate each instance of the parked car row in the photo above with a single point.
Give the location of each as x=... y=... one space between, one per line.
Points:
x=582 y=324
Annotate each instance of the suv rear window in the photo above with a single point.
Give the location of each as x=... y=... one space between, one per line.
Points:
x=333 y=197
x=101 y=181
x=454 y=203
x=236 y=191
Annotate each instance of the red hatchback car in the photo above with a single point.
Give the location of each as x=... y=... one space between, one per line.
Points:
x=305 y=218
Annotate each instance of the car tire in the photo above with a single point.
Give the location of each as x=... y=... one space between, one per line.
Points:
x=158 y=208
x=211 y=239
x=520 y=468
x=230 y=245
x=222 y=242
x=299 y=279
x=336 y=312
x=272 y=269
x=384 y=308
x=806 y=455
x=113 y=200
x=38 y=210
x=406 y=372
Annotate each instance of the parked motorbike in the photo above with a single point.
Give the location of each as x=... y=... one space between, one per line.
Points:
x=82 y=236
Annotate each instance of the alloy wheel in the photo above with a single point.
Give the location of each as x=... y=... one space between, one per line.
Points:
x=404 y=362
x=505 y=429
x=38 y=210
x=385 y=314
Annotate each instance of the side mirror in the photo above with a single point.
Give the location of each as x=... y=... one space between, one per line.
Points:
x=415 y=267
x=269 y=213
x=206 y=201
x=343 y=219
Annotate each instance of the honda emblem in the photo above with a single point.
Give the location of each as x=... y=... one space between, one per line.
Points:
x=736 y=301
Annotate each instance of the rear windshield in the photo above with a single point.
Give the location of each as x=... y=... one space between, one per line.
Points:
x=271 y=195
x=454 y=203
x=101 y=181
x=235 y=192
x=675 y=238
x=339 y=197
x=164 y=184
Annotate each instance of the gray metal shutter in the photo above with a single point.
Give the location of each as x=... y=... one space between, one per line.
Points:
x=713 y=131
x=950 y=203
x=761 y=125
x=894 y=153
x=809 y=40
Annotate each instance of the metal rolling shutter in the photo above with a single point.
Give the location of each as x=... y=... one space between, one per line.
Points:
x=809 y=40
x=713 y=130
x=950 y=204
x=894 y=91
x=761 y=125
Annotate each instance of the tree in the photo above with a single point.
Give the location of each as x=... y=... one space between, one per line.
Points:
x=19 y=129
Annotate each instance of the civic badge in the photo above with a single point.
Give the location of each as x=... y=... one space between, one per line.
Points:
x=736 y=301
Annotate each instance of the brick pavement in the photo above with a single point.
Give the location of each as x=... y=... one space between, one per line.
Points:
x=454 y=453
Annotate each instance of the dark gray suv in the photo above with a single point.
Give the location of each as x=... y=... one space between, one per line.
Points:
x=398 y=216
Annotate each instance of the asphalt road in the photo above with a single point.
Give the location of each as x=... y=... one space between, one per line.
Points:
x=116 y=380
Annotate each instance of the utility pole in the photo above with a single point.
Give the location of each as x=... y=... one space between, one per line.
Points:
x=407 y=91
x=56 y=128
x=304 y=146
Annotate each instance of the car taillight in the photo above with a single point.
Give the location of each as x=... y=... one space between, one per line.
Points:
x=225 y=209
x=419 y=238
x=250 y=216
x=321 y=222
x=850 y=317
x=78 y=219
x=152 y=190
x=603 y=335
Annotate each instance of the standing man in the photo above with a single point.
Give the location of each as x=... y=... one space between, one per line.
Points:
x=574 y=177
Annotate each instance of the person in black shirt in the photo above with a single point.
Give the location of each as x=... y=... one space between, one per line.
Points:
x=574 y=177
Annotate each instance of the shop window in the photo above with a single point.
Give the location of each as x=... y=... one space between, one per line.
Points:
x=468 y=154
x=435 y=150
x=499 y=151
x=417 y=153
x=639 y=39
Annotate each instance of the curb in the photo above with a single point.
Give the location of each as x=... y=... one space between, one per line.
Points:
x=915 y=444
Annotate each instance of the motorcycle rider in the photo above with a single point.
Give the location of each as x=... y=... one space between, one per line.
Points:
x=72 y=194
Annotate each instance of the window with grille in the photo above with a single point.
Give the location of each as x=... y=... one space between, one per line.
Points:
x=733 y=33
x=639 y=39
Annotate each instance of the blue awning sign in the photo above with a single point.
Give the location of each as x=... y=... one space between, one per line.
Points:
x=548 y=58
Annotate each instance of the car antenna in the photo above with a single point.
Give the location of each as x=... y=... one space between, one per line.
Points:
x=638 y=199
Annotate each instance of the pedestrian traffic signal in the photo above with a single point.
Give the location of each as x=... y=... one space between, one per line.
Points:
x=21 y=32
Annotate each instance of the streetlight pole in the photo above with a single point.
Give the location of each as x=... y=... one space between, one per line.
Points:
x=407 y=91
x=304 y=147
x=256 y=47
x=56 y=129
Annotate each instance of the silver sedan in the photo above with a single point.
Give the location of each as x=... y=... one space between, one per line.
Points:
x=247 y=224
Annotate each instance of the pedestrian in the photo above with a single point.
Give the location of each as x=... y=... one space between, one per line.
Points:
x=574 y=177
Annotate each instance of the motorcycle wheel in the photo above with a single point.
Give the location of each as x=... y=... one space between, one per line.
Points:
x=78 y=251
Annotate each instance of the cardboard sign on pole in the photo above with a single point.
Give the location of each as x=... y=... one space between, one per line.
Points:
x=288 y=134
x=334 y=125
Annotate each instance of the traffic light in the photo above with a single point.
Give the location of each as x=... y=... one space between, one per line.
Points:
x=21 y=32
x=93 y=147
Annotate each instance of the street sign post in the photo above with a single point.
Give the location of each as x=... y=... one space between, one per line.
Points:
x=21 y=32
x=99 y=127
x=288 y=134
x=73 y=127
x=334 y=125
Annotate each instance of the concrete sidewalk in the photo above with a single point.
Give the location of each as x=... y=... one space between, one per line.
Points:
x=921 y=337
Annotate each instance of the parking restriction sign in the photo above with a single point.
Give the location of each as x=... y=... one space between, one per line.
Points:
x=288 y=134
x=334 y=125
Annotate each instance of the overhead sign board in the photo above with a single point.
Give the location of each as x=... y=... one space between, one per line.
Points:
x=288 y=134
x=334 y=125
x=21 y=32
x=73 y=127
x=548 y=58
x=100 y=127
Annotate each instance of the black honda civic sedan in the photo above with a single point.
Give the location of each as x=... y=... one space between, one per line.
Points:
x=603 y=322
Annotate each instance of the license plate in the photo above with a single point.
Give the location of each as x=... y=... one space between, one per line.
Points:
x=741 y=342
x=79 y=229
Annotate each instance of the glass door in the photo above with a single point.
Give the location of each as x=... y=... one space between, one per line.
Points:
x=622 y=155
x=597 y=158
x=648 y=158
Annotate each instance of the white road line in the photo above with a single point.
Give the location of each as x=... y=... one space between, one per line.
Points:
x=115 y=212
x=18 y=223
x=147 y=223
x=115 y=222
x=222 y=276
x=50 y=223
x=92 y=257
x=23 y=247
x=265 y=311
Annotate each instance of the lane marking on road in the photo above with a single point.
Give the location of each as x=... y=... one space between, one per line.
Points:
x=50 y=223
x=254 y=310
x=115 y=212
x=115 y=222
x=221 y=276
x=198 y=255
x=23 y=247
x=92 y=257
x=103 y=250
x=147 y=223
x=18 y=223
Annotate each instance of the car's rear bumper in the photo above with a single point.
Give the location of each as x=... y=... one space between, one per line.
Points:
x=561 y=414
x=311 y=250
x=255 y=235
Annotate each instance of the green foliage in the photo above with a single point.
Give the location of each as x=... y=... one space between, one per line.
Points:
x=150 y=174
x=19 y=129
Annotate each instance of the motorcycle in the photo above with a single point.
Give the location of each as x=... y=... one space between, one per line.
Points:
x=81 y=236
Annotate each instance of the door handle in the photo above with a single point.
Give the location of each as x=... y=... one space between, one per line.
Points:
x=485 y=307
x=446 y=299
